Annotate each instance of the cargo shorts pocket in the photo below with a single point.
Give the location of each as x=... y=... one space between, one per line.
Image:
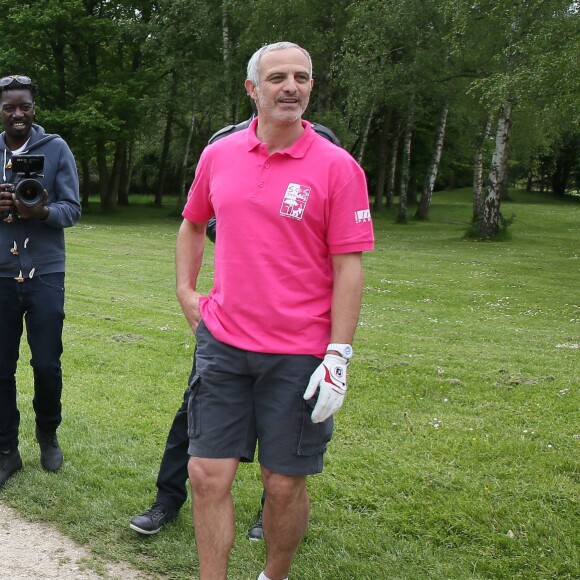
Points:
x=312 y=437
x=193 y=408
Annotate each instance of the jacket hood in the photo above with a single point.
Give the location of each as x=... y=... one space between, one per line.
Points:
x=38 y=136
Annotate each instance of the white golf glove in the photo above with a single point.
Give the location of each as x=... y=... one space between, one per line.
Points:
x=330 y=377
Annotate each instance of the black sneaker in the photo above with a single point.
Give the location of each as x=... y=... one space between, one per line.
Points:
x=10 y=463
x=50 y=452
x=151 y=521
x=256 y=533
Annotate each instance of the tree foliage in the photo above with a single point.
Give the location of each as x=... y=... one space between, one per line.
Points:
x=138 y=86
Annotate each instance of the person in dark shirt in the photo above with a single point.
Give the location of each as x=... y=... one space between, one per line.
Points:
x=39 y=197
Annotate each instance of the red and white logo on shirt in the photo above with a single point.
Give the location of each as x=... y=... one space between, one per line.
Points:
x=294 y=202
x=362 y=215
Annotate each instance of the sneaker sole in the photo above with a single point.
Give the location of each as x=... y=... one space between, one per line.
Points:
x=142 y=531
x=256 y=540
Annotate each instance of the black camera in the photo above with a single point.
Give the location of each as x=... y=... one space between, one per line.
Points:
x=28 y=190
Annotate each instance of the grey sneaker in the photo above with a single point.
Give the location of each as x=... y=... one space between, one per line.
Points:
x=151 y=521
x=10 y=463
x=256 y=533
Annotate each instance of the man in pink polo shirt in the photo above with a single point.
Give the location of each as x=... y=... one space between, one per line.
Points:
x=274 y=334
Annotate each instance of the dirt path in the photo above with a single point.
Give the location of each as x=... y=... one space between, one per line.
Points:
x=32 y=551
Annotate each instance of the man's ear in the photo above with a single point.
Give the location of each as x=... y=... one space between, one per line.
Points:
x=250 y=88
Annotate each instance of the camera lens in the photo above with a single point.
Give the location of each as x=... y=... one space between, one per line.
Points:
x=29 y=192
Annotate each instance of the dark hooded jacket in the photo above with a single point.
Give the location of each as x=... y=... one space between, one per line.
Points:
x=35 y=246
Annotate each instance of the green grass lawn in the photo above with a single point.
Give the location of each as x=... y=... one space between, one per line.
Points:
x=457 y=452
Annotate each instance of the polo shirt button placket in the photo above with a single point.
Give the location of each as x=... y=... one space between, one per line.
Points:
x=265 y=166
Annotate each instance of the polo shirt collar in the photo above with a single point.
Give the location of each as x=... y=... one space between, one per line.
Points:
x=297 y=150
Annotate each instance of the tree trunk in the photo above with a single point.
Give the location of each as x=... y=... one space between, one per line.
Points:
x=393 y=166
x=405 y=163
x=86 y=182
x=108 y=200
x=530 y=179
x=184 y=181
x=164 y=161
x=545 y=168
x=383 y=162
x=478 y=171
x=490 y=215
x=120 y=178
x=228 y=109
x=412 y=189
x=504 y=168
x=425 y=203
x=565 y=162
x=127 y=176
x=504 y=174
x=365 y=137
x=118 y=169
x=559 y=177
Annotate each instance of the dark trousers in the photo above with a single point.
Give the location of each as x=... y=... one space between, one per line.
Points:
x=173 y=476
x=38 y=303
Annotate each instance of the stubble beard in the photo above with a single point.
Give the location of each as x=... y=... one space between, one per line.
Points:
x=284 y=116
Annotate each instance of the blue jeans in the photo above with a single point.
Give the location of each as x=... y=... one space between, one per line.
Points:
x=38 y=303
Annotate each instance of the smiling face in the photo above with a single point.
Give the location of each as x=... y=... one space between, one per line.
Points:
x=17 y=107
x=283 y=92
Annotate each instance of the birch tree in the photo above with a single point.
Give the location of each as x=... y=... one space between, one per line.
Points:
x=489 y=223
x=395 y=140
x=422 y=212
x=512 y=39
x=405 y=162
x=383 y=161
x=478 y=171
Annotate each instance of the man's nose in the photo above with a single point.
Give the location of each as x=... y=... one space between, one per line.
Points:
x=290 y=85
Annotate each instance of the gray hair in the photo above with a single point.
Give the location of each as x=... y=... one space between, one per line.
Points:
x=253 y=73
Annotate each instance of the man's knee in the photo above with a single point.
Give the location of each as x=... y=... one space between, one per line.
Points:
x=199 y=475
x=283 y=488
x=211 y=477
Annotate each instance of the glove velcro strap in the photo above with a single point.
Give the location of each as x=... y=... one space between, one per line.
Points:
x=335 y=359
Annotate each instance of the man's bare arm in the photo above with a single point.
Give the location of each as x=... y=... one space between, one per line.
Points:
x=188 y=260
x=346 y=296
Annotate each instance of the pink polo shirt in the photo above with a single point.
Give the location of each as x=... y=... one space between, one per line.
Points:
x=280 y=218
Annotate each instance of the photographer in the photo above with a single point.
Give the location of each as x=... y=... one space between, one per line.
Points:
x=32 y=269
